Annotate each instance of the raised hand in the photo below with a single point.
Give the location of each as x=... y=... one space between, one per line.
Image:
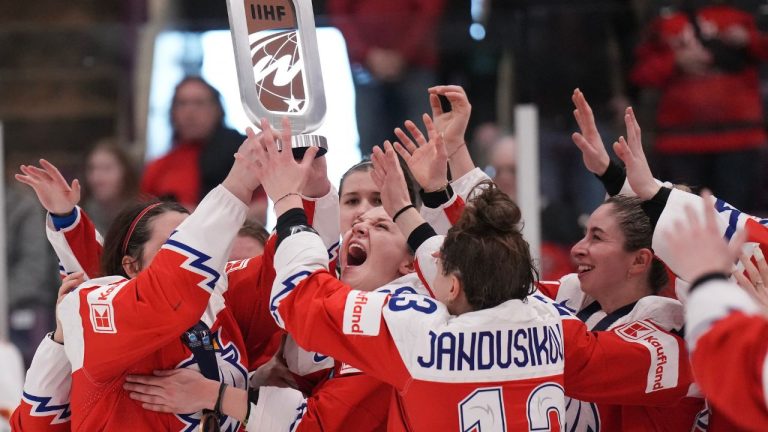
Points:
x=243 y=177
x=427 y=160
x=68 y=284
x=281 y=175
x=754 y=285
x=452 y=124
x=173 y=391
x=630 y=151
x=698 y=245
x=389 y=178
x=590 y=143
x=53 y=191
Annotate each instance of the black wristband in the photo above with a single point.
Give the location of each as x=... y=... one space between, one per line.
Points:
x=401 y=211
x=613 y=178
x=701 y=280
x=655 y=206
x=293 y=217
x=437 y=198
x=419 y=235
x=217 y=407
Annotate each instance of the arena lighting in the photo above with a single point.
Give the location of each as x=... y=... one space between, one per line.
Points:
x=218 y=68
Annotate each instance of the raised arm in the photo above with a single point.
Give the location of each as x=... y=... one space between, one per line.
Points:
x=115 y=322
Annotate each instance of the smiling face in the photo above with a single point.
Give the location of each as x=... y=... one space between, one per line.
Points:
x=603 y=264
x=358 y=195
x=374 y=252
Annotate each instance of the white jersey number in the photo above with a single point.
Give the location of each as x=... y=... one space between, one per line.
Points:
x=483 y=409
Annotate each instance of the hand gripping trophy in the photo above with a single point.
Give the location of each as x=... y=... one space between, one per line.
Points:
x=278 y=66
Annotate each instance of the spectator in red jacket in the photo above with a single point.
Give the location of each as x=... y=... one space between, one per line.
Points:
x=710 y=118
x=202 y=149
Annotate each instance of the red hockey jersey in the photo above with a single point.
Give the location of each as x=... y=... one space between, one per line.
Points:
x=114 y=327
x=507 y=367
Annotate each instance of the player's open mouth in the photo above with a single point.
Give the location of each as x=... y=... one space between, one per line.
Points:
x=356 y=255
x=583 y=268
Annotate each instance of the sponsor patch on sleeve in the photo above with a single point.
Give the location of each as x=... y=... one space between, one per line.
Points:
x=362 y=313
x=663 y=350
x=101 y=310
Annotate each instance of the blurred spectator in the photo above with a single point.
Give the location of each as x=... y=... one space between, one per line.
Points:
x=559 y=222
x=31 y=270
x=393 y=57
x=590 y=50
x=710 y=127
x=250 y=241
x=111 y=181
x=202 y=147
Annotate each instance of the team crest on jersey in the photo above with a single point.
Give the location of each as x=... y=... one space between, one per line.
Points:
x=231 y=371
x=233 y=266
x=103 y=318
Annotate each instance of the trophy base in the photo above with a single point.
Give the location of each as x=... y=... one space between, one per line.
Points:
x=300 y=144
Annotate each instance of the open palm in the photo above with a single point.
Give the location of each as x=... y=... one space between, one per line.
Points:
x=53 y=191
x=427 y=160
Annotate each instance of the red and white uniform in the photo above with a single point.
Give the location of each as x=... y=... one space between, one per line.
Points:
x=664 y=313
x=730 y=221
x=501 y=368
x=45 y=401
x=728 y=338
x=347 y=400
x=114 y=327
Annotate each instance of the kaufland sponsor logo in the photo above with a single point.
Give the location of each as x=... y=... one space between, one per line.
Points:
x=362 y=314
x=662 y=347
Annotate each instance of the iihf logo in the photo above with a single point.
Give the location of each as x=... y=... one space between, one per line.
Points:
x=278 y=71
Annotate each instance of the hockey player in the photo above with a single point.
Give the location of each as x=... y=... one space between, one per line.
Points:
x=135 y=322
x=727 y=330
x=437 y=361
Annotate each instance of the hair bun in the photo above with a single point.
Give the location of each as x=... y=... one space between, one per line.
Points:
x=490 y=212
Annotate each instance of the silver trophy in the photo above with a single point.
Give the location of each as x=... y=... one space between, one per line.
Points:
x=278 y=66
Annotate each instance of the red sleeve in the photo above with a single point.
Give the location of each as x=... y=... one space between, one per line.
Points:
x=45 y=401
x=22 y=420
x=110 y=323
x=85 y=245
x=549 y=288
x=729 y=363
x=633 y=364
x=121 y=322
x=314 y=315
x=655 y=61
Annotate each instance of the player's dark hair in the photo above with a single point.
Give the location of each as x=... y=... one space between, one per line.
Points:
x=485 y=249
x=115 y=244
x=638 y=234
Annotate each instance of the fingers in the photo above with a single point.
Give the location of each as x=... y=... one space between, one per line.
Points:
x=402 y=152
x=434 y=103
x=621 y=149
x=168 y=372
x=309 y=156
x=581 y=143
x=155 y=407
x=405 y=139
x=143 y=380
x=53 y=172
x=762 y=266
x=75 y=186
x=70 y=282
